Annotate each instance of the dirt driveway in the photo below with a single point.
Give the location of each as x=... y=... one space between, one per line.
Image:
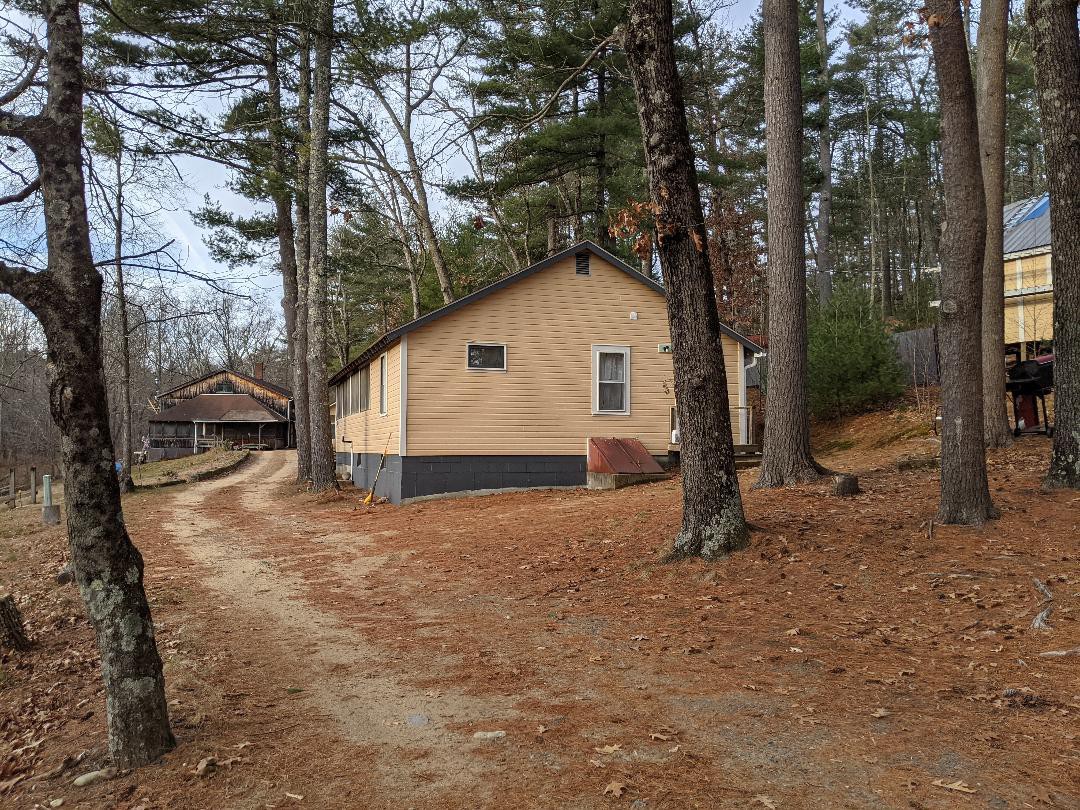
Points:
x=349 y=656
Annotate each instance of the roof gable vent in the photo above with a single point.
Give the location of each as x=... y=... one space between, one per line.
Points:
x=581 y=263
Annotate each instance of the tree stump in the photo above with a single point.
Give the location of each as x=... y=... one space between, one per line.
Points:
x=845 y=485
x=12 y=625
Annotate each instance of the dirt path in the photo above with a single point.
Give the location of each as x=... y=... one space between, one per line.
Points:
x=417 y=753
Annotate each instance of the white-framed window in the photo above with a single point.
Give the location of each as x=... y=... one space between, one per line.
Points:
x=611 y=380
x=485 y=356
x=364 y=381
x=382 y=385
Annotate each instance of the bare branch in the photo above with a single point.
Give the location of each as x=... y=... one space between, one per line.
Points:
x=24 y=83
x=21 y=195
x=153 y=252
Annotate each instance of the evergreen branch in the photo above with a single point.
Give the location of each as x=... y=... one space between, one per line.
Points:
x=542 y=114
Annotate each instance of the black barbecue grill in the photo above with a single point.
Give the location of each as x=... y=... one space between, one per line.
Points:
x=1029 y=381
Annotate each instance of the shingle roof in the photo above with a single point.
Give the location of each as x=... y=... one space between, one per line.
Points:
x=218 y=408
x=392 y=336
x=1027 y=225
x=285 y=392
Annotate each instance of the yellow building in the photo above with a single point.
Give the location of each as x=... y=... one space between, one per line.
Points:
x=503 y=388
x=1029 y=280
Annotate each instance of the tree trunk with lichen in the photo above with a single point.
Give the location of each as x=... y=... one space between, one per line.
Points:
x=1057 y=81
x=786 y=457
x=281 y=190
x=965 y=494
x=713 y=524
x=322 y=446
x=301 y=407
x=66 y=299
x=990 y=55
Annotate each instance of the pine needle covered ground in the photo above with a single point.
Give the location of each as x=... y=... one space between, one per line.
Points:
x=854 y=656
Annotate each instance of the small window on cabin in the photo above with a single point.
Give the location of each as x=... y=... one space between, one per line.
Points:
x=581 y=264
x=486 y=356
x=382 y=385
x=224 y=386
x=611 y=379
x=365 y=387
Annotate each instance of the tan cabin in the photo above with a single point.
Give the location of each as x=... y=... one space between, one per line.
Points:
x=504 y=387
x=1029 y=280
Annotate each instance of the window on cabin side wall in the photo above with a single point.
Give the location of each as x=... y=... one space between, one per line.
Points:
x=486 y=356
x=382 y=385
x=364 y=379
x=611 y=379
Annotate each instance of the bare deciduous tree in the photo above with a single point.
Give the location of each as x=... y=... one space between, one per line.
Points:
x=66 y=299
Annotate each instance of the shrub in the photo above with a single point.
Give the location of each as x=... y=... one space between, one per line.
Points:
x=853 y=365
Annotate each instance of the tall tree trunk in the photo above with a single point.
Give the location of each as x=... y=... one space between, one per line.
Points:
x=1057 y=81
x=301 y=399
x=886 y=274
x=280 y=189
x=430 y=238
x=713 y=524
x=824 y=231
x=965 y=496
x=66 y=298
x=990 y=74
x=127 y=455
x=603 y=238
x=786 y=457
x=322 y=445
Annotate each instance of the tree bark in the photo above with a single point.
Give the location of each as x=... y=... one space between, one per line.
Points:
x=301 y=398
x=786 y=455
x=286 y=233
x=1057 y=80
x=713 y=524
x=965 y=496
x=11 y=625
x=990 y=74
x=322 y=446
x=127 y=456
x=824 y=217
x=66 y=298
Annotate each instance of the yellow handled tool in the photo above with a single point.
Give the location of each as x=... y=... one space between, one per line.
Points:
x=371 y=495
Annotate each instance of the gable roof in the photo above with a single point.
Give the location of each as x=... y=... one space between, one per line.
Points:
x=384 y=342
x=218 y=408
x=277 y=389
x=1027 y=225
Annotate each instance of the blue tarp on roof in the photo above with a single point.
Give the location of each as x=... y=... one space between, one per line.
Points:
x=1027 y=225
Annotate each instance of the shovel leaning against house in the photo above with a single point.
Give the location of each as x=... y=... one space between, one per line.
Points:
x=370 y=497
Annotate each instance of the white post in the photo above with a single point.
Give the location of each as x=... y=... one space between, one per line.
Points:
x=50 y=514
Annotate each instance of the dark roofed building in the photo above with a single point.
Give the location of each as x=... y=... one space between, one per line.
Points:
x=222 y=408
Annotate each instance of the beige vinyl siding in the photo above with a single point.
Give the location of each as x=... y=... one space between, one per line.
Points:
x=369 y=430
x=1029 y=316
x=542 y=403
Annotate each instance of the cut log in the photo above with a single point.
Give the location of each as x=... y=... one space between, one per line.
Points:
x=12 y=625
x=844 y=485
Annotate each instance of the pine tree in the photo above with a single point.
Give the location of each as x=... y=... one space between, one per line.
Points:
x=965 y=494
x=713 y=523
